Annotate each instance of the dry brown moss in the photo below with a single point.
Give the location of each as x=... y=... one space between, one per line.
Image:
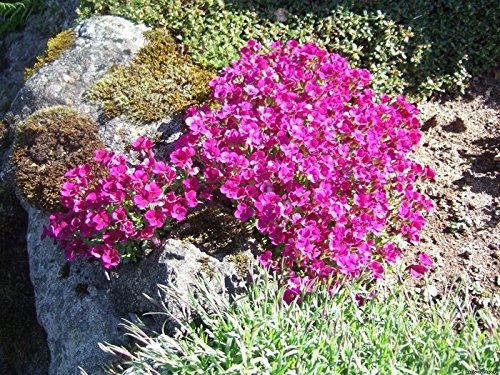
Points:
x=48 y=144
x=55 y=48
x=212 y=229
x=242 y=262
x=161 y=80
x=4 y=131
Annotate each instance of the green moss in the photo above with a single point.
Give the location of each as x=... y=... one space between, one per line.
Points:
x=160 y=81
x=55 y=48
x=47 y=145
x=212 y=229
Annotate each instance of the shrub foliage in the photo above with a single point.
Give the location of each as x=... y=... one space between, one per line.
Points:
x=415 y=47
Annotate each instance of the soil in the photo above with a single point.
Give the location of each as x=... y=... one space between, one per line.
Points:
x=461 y=142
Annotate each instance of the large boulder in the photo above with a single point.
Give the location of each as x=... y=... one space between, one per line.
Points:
x=100 y=42
x=80 y=304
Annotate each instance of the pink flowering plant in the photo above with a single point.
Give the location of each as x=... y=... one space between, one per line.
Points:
x=117 y=210
x=303 y=149
x=313 y=158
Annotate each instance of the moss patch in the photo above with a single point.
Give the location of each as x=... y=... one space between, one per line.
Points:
x=207 y=267
x=212 y=229
x=242 y=262
x=4 y=131
x=47 y=145
x=160 y=81
x=55 y=48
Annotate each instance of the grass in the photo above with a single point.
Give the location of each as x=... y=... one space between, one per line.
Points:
x=397 y=332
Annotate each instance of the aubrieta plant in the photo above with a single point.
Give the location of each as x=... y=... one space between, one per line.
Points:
x=311 y=156
x=117 y=211
x=302 y=147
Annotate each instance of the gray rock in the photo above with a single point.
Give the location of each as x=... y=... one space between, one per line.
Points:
x=74 y=320
x=81 y=305
x=84 y=306
x=100 y=43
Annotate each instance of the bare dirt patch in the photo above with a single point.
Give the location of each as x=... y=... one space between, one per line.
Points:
x=461 y=142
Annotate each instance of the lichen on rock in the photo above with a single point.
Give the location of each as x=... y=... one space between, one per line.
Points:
x=243 y=262
x=162 y=80
x=55 y=48
x=47 y=145
x=4 y=131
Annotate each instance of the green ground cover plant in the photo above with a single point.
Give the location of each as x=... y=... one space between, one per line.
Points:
x=416 y=47
x=300 y=148
x=394 y=332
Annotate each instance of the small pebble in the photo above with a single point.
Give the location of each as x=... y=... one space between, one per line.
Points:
x=431 y=291
x=466 y=254
x=485 y=302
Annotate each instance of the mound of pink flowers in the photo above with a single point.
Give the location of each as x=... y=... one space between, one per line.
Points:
x=117 y=210
x=302 y=146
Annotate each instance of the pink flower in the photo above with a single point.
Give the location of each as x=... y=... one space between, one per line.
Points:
x=155 y=218
x=417 y=270
x=119 y=215
x=141 y=201
x=178 y=212
x=142 y=144
x=244 y=212
x=192 y=183
x=425 y=259
x=377 y=270
x=190 y=197
x=265 y=259
x=182 y=157
x=127 y=228
x=110 y=258
x=100 y=220
x=298 y=143
x=147 y=233
x=69 y=189
x=101 y=156
x=111 y=237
